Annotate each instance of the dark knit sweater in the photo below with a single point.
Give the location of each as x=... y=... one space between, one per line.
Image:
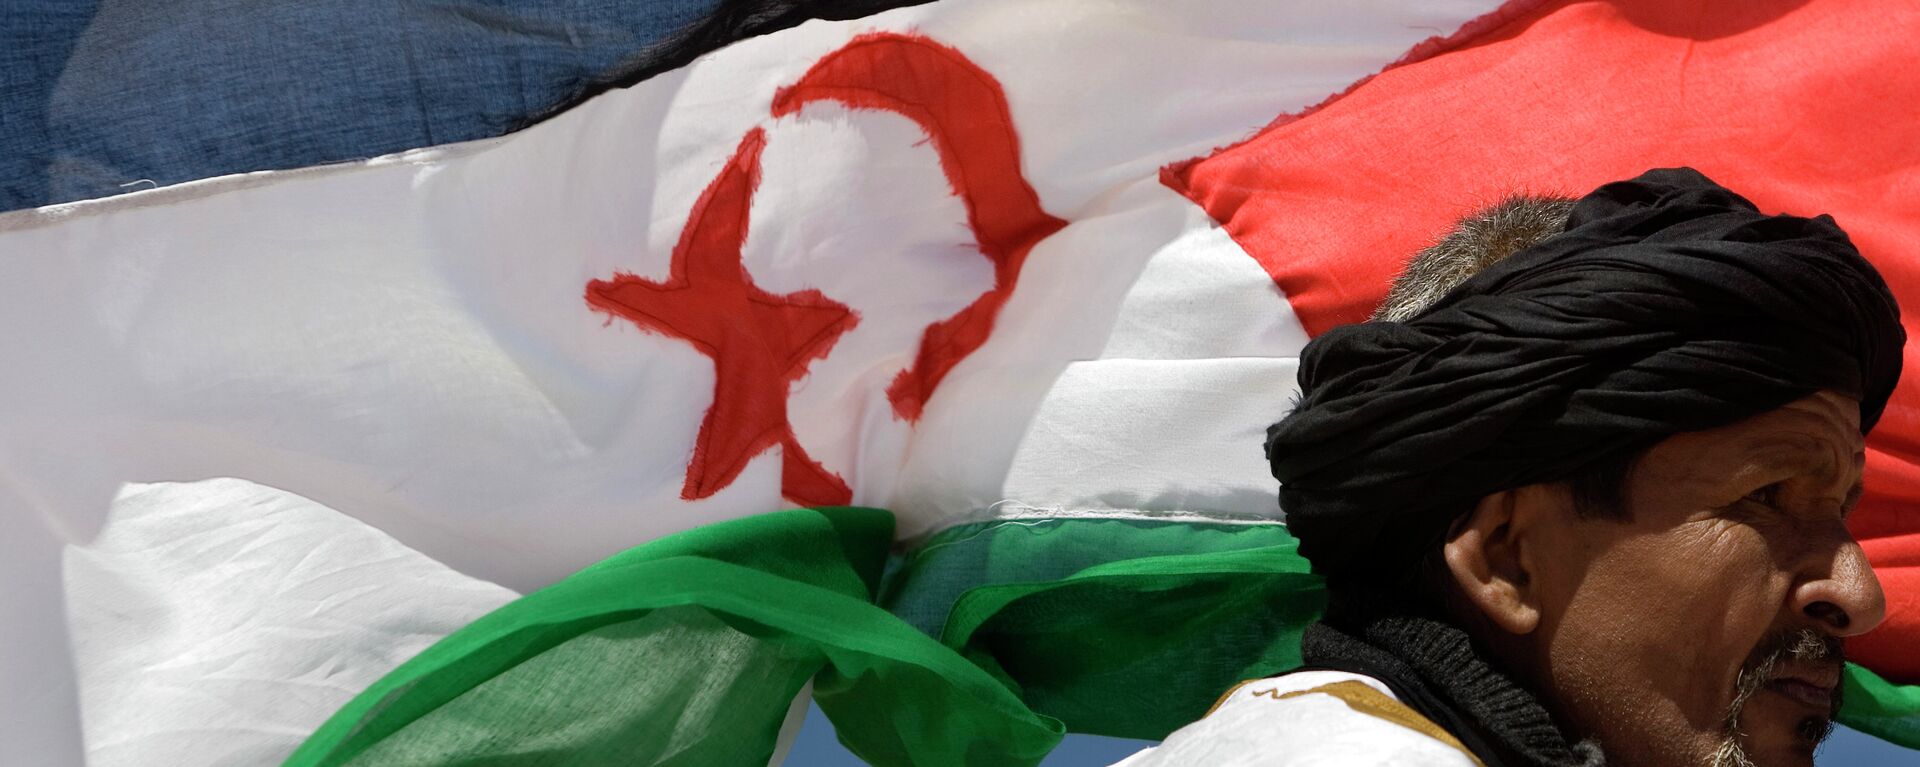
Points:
x=1434 y=668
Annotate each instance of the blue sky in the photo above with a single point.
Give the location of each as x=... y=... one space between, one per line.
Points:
x=816 y=747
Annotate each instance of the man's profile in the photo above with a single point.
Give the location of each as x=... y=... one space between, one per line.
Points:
x=1579 y=490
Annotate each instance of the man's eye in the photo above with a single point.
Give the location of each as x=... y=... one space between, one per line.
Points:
x=1766 y=496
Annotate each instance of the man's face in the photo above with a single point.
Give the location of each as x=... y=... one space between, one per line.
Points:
x=1735 y=552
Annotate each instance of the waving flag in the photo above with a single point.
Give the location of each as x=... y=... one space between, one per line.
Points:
x=275 y=434
x=1751 y=96
x=106 y=97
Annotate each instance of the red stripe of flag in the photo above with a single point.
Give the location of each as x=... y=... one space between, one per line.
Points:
x=1803 y=107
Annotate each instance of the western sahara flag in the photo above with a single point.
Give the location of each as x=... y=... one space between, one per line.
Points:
x=269 y=436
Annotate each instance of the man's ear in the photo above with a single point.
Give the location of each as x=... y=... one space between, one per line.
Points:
x=1489 y=555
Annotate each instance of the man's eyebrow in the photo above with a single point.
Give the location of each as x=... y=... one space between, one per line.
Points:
x=1800 y=446
x=1791 y=451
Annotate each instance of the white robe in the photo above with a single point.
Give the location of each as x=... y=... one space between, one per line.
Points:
x=1308 y=718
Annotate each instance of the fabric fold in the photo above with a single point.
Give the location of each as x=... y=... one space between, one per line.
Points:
x=1877 y=707
x=688 y=650
x=1141 y=645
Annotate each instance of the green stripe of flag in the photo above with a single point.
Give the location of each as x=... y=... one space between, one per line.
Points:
x=688 y=650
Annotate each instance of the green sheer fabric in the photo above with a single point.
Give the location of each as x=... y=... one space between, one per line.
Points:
x=688 y=650
x=1077 y=613
x=1880 y=708
x=724 y=623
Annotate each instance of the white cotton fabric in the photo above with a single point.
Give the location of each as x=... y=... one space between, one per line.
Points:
x=1131 y=434
x=404 y=340
x=219 y=622
x=1252 y=727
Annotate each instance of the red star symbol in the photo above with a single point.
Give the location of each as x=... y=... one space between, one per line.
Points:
x=760 y=343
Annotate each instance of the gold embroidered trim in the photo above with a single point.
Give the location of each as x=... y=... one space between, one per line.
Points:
x=1223 y=698
x=1364 y=699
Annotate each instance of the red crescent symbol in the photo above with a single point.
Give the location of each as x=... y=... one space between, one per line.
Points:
x=964 y=110
x=762 y=343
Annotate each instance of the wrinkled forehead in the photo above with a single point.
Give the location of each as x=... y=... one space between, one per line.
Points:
x=1817 y=435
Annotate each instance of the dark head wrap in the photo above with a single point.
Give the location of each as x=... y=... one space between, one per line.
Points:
x=1669 y=304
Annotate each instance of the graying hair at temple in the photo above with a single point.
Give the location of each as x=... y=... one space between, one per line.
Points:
x=1474 y=243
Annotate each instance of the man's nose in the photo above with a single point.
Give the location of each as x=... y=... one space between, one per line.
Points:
x=1846 y=600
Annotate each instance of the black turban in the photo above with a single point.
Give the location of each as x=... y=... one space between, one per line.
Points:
x=1669 y=304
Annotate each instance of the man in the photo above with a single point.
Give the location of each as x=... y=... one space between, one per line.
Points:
x=1587 y=504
